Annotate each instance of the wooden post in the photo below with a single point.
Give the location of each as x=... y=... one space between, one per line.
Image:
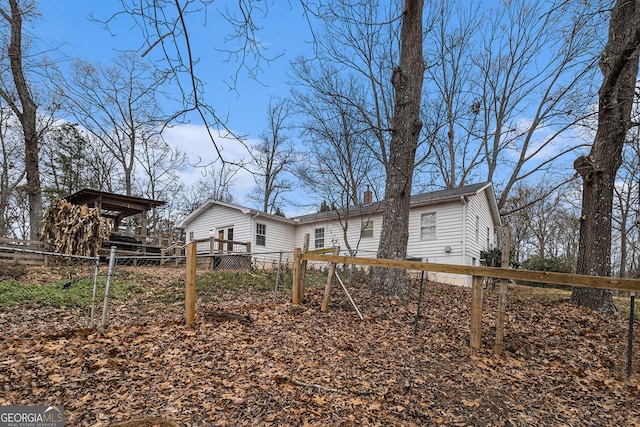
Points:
x=327 y=287
x=163 y=253
x=476 y=313
x=502 y=295
x=178 y=252
x=295 y=288
x=190 y=291
x=212 y=250
x=303 y=266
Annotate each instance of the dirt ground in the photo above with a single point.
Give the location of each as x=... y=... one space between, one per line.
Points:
x=562 y=366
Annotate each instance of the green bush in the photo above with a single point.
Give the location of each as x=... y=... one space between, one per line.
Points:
x=552 y=264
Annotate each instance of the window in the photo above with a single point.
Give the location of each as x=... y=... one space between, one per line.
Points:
x=477 y=228
x=488 y=240
x=428 y=226
x=191 y=236
x=367 y=229
x=319 y=238
x=261 y=235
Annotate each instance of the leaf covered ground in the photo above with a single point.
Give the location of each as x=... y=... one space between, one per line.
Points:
x=561 y=365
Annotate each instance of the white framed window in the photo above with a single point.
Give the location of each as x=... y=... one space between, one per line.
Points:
x=319 y=238
x=477 y=228
x=428 y=226
x=261 y=234
x=367 y=229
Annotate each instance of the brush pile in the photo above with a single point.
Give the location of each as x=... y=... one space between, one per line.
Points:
x=72 y=229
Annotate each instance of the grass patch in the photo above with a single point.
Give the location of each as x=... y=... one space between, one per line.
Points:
x=214 y=284
x=624 y=306
x=54 y=294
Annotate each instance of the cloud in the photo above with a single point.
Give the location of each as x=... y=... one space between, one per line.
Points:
x=194 y=141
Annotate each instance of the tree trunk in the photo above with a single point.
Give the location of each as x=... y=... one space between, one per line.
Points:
x=26 y=113
x=619 y=66
x=406 y=125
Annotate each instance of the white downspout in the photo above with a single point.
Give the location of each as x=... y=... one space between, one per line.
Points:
x=463 y=200
x=251 y=233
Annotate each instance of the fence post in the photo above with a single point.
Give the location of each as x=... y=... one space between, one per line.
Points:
x=502 y=295
x=190 y=291
x=96 y=271
x=303 y=266
x=295 y=289
x=212 y=249
x=632 y=316
x=476 y=313
x=178 y=253
x=275 y=290
x=327 y=287
x=107 y=289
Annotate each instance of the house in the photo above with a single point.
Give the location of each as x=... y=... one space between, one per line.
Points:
x=448 y=226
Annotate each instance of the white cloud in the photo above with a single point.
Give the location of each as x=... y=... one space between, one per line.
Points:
x=195 y=142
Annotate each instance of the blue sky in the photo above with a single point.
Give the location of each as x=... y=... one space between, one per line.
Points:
x=65 y=26
x=65 y=29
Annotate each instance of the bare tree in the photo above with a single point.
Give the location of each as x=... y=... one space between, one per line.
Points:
x=338 y=162
x=12 y=171
x=450 y=105
x=619 y=67
x=166 y=38
x=119 y=105
x=17 y=94
x=535 y=66
x=215 y=184
x=160 y=181
x=272 y=157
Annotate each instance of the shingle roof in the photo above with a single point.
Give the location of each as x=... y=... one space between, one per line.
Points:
x=416 y=200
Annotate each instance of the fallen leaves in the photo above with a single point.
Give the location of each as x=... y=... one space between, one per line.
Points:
x=561 y=365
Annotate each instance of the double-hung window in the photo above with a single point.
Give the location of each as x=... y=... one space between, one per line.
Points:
x=319 y=238
x=261 y=234
x=367 y=229
x=428 y=226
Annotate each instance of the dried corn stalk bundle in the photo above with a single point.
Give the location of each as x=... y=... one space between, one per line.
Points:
x=73 y=229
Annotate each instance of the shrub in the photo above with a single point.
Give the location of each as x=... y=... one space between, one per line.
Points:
x=552 y=264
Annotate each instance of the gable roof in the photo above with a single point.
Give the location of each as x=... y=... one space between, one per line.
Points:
x=423 y=199
x=242 y=209
x=113 y=205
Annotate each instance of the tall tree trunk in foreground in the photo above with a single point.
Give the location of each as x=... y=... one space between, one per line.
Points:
x=25 y=110
x=619 y=66
x=406 y=125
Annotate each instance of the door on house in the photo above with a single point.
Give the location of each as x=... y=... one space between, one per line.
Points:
x=230 y=237
x=225 y=234
x=220 y=239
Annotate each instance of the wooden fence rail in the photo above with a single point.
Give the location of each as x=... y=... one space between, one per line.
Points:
x=613 y=283
x=478 y=273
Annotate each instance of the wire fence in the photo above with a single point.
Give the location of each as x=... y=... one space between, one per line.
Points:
x=96 y=288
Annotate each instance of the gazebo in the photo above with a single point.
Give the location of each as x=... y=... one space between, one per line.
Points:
x=117 y=207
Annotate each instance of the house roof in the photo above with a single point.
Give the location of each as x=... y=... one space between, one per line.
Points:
x=424 y=199
x=206 y=205
x=113 y=205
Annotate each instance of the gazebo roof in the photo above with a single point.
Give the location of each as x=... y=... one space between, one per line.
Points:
x=113 y=205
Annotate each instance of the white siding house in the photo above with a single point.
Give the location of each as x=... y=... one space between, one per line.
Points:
x=448 y=226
